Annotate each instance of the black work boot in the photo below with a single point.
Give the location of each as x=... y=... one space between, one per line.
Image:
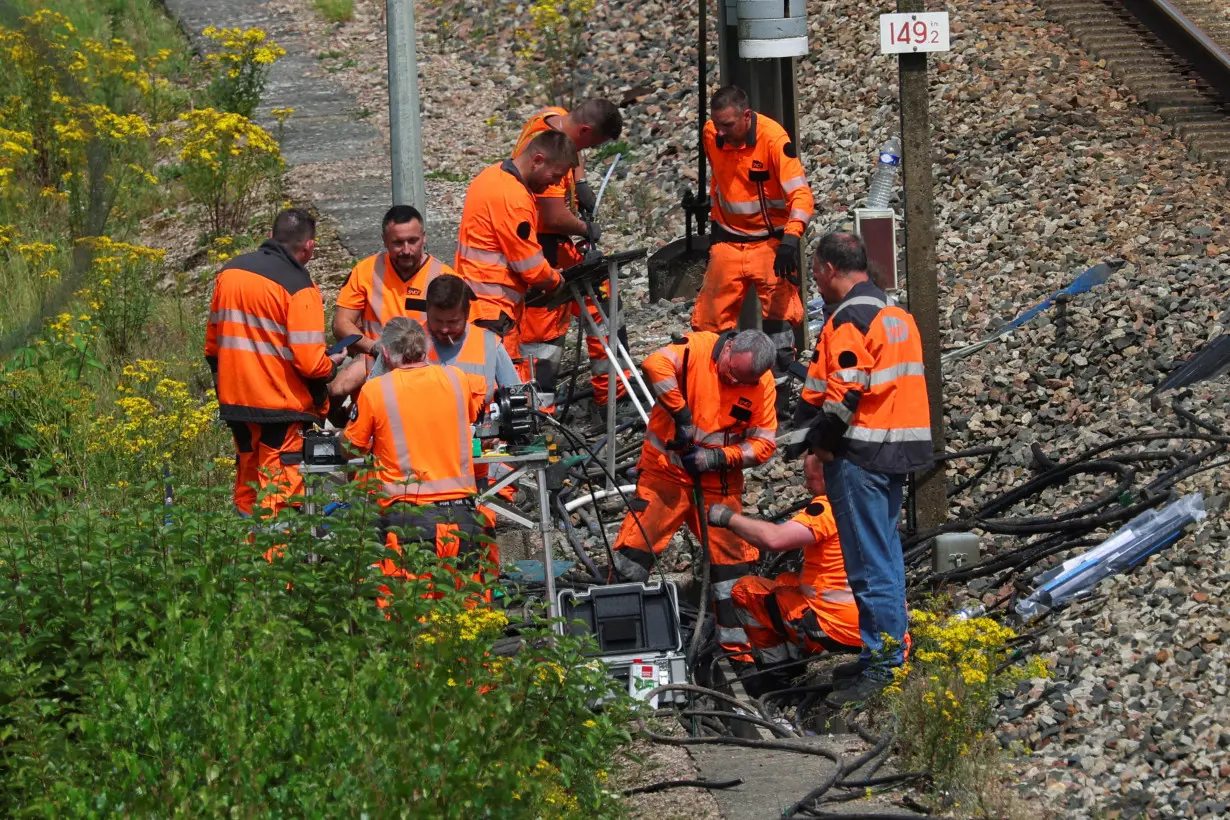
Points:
x=863 y=689
x=847 y=674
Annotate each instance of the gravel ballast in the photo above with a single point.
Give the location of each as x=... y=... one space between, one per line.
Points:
x=1044 y=166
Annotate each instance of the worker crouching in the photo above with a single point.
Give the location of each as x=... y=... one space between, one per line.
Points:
x=796 y=614
x=713 y=417
x=415 y=420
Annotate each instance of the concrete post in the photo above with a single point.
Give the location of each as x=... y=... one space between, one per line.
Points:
x=931 y=502
x=404 y=127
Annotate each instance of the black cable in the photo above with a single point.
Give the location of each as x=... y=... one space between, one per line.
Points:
x=614 y=483
x=683 y=784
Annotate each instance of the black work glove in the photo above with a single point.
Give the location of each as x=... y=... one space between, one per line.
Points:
x=593 y=231
x=720 y=515
x=786 y=264
x=587 y=200
x=703 y=460
x=685 y=431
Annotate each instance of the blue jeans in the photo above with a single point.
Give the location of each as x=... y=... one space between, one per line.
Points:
x=867 y=505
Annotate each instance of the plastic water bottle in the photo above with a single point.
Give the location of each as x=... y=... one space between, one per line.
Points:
x=885 y=178
x=976 y=611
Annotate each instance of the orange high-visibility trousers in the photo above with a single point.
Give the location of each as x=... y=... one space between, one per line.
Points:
x=671 y=504
x=733 y=268
x=780 y=620
x=451 y=530
x=258 y=464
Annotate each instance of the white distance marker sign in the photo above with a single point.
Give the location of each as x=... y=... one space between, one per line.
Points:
x=912 y=33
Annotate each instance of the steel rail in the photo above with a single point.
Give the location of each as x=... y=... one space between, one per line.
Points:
x=1187 y=40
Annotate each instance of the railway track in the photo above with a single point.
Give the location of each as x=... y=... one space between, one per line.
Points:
x=1174 y=55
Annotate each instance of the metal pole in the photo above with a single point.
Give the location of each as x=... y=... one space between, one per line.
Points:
x=612 y=366
x=404 y=127
x=702 y=89
x=545 y=527
x=930 y=490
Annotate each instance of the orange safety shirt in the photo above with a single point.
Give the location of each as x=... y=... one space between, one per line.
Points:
x=265 y=340
x=823 y=577
x=566 y=188
x=867 y=379
x=377 y=290
x=416 y=421
x=497 y=246
x=741 y=420
x=476 y=359
x=758 y=189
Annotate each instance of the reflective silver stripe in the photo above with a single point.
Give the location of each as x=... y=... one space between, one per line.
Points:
x=305 y=337
x=739 y=206
x=599 y=367
x=837 y=596
x=852 y=375
x=253 y=346
x=745 y=616
x=522 y=265
x=545 y=351
x=480 y=255
x=728 y=634
x=889 y=374
x=777 y=204
x=859 y=300
x=439 y=485
x=250 y=319
x=800 y=215
x=839 y=410
x=434 y=268
x=464 y=442
x=762 y=433
x=661 y=388
x=749 y=454
x=497 y=291
x=738 y=232
x=719 y=438
x=818 y=385
x=469 y=367
x=651 y=438
x=491 y=343
x=772 y=654
x=377 y=301
x=794 y=183
x=396 y=425
x=887 y=436
x=673 y=356
x=722 y=589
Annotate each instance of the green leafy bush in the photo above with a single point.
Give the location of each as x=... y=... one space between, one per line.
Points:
x=154 y=664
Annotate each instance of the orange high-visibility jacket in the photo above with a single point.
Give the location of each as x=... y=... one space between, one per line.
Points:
x=476 y=359
x=824 y=571
x=758 y=190
x=497 y=246
x=867 y=379
x=265 y=340
x=566 y=188
x=416 y=421
x=741 y=420
x=377 y=290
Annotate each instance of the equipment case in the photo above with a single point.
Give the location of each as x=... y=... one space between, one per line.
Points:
x=633 y=625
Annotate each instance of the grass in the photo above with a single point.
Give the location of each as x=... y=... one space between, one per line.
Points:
x=335 y=11
x=445 y=175
x=610 y=149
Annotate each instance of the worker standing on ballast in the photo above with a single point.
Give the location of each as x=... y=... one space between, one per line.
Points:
x=566 y=210
x=872 y=426
x=265 y=343
x=714 y=417
x=498 y=254
x=796 y=614
x=415 y=419
x=390 y=283
x=760 y=206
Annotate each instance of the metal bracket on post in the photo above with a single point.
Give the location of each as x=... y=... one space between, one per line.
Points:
x=613 y=364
